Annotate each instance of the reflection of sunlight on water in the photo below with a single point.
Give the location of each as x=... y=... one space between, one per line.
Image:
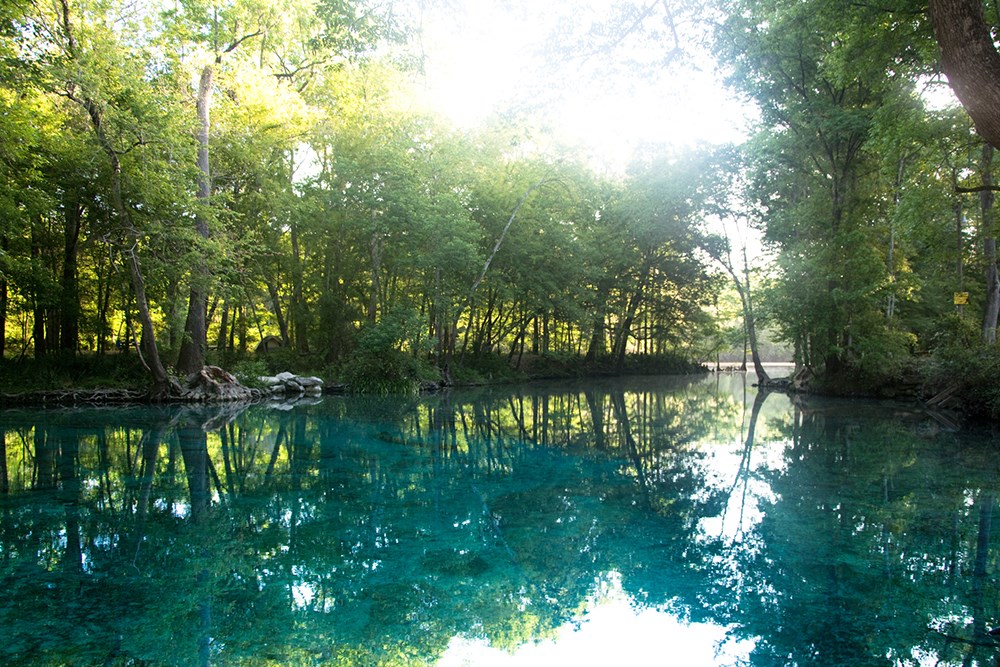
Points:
x=613 y=629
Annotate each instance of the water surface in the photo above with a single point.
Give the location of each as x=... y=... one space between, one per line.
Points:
x=654 y=521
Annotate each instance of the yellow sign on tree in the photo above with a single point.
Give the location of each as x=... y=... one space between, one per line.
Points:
x=961 y=298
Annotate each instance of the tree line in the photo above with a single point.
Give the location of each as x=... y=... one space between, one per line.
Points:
x=204 y=177
x=876 y=201
x=195 y=179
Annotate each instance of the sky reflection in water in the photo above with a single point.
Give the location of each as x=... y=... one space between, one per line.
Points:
x=613 y=630
x=651 y=520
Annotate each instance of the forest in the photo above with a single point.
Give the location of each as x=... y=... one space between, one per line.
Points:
x=255 y=185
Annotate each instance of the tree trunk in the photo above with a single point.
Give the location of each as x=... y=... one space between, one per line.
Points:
x=986 y=198
x=4 y=478
x=299 y=313
x=69 y=311
x=220 y=345
x=192 y=354
x=162 y=383
x=272 y=290
x=958 y=213
x=37 y=297
x=745 y=293
x=597 y=349
x=890 y=306
x=375 y=287
x=103 y=306
x=751 y=322
x=3 y=300
x=625 y=327
x=970 y=60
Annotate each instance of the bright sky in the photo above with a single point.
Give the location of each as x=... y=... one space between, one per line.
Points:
x=487 y=56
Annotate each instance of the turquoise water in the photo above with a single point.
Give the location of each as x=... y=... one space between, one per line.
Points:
x=650 y=521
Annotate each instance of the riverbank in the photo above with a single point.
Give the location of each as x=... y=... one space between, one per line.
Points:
x=960 y=384
x=121 y=378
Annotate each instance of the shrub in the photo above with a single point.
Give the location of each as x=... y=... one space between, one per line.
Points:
x=384 y=372
x=378 y=366
x=976 y=366
x=249 y=372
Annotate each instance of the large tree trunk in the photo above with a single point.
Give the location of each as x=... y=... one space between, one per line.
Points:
x=598 y=347
x=970 y=60
x=192 y=354
x=986 y=198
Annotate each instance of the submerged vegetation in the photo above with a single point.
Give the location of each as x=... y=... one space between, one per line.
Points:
x=252 y=187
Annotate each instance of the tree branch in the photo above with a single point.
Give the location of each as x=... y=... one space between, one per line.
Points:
x=977 y=188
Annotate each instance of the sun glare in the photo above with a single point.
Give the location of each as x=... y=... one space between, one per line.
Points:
x=484 y=60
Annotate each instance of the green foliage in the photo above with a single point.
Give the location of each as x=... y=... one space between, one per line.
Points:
x=960 y=357
x=357 y=226
x=385 y=371
x=249 y=372
x=379 y=366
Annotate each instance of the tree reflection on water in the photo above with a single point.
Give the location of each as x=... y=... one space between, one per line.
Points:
x=384 y=531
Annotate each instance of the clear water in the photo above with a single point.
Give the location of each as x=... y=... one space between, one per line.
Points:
x=648 y=521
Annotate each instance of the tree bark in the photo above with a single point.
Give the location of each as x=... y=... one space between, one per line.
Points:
x=3 y=301
x=751 y=322
x=375 y=285
x=163 y=384
x=37 y=297
x=192 y=354
x=299 y=310
x=69 y=311
x=970 y=60
x=986 y=198
x=272 y=290
x=743 y=289
x=220 y=344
